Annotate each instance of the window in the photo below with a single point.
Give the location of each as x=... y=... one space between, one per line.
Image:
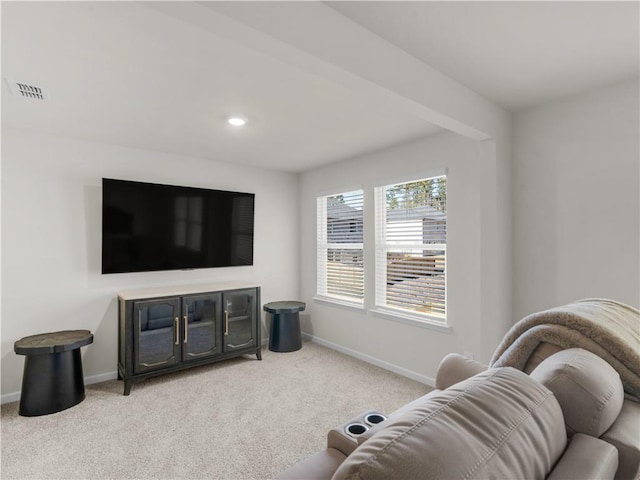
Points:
x=340 y=250
x=411 y=248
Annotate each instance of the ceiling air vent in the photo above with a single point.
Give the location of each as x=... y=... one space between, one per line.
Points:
x=25 y=90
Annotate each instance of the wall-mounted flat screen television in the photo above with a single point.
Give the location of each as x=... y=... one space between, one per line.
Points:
x=149 y=227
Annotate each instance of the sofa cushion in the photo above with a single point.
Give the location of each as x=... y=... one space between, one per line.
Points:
x=542 y=351
x=588 y=389
x=586 y=458
x=394 y=415
x=454 y=368
x=486 y=426
x=624 y=434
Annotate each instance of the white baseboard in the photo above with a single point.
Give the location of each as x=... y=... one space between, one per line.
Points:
x=10 y=397
x=103 y=377
x=372 y=360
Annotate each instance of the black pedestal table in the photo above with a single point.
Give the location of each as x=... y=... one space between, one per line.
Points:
x=52 y=379
x=285 y=327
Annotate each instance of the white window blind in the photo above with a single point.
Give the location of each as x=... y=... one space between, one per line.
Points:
x=411 y=247
x=340 y=246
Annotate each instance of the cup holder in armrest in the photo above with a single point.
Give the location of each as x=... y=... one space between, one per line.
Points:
x=346 y=437
x=374 y=418
x=355 y=429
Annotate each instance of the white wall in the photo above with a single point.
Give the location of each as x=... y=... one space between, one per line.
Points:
x=577 y=200
x=51 y=239
x=412 y=350
x=295 y=33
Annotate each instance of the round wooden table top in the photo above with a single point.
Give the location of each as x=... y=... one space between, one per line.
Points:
x=53 y=342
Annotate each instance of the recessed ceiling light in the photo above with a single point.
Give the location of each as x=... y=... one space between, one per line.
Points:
x=237 y=121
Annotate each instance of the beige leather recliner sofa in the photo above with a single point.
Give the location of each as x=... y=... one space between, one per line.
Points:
x=567 y=419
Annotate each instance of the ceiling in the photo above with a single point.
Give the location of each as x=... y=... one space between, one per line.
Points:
x=141 y=75
x=517 y=54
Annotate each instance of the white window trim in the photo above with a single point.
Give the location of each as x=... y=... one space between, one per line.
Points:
x=339 y=191
x=381 y=309
x=413 y=319
x=436 y=172
x=322 y=248
x=334 y=301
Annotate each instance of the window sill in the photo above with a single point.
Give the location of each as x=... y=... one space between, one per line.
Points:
x=339 y=303
x=412 y=320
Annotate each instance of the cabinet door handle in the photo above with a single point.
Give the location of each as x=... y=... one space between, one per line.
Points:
x=186 y=328
x=226 y=322
x=177 y=329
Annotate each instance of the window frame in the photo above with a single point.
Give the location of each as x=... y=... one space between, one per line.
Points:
x=323 y=246
x=382 y=247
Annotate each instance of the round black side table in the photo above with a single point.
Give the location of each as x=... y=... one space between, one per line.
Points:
x=285 y=326
x=52 y=379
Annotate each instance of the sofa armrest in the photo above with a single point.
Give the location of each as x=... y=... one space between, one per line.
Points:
x=455 y=368
x=346 y=443
x=338 y=440
x=624 y=434
x=320 y=466
x=586 y=458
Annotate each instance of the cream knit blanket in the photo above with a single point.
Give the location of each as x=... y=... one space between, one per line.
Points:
x=607 y=328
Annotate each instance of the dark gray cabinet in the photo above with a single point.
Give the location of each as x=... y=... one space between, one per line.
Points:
x=201 y=326
x=240 y=320
x=164 y=330
x=155 y=333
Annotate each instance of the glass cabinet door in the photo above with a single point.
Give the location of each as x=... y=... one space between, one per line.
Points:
x=156 y=333
x=201 y=320
x=239 y=319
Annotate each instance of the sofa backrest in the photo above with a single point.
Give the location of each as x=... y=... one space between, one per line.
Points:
x=588 y=389
x=497 y=424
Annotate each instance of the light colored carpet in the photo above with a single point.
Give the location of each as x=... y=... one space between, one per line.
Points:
x=237 y=419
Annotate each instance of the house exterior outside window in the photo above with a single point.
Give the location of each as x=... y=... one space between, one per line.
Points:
x=340 y=261
x=411 y=249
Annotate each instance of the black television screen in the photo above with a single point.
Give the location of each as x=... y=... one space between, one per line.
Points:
x=149 y=227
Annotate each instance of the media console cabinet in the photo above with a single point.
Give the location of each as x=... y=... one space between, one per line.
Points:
x=163 y=330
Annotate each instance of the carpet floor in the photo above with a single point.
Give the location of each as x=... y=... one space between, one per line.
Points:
x=237 y=419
